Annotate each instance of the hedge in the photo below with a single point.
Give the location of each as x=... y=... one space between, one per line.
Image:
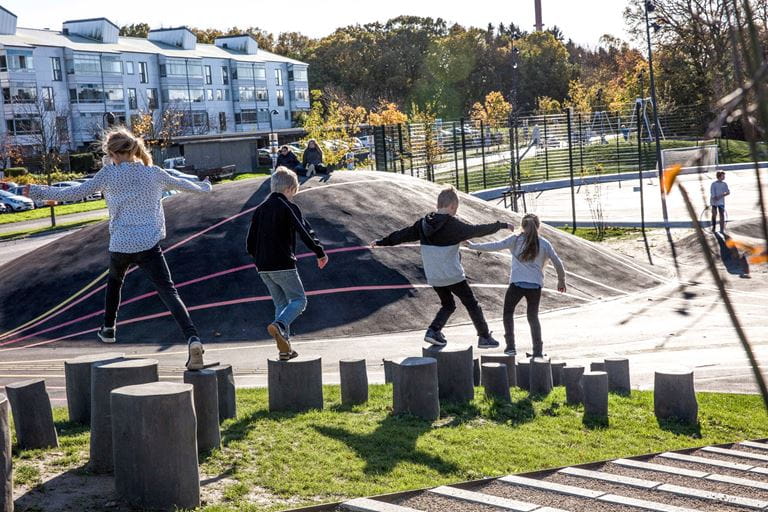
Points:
x=14 y=172
x=82 y=162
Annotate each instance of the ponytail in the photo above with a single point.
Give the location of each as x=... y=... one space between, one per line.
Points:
x=120 y=141
x=530 y=225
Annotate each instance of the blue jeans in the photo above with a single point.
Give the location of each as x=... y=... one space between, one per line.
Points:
x=287 y=293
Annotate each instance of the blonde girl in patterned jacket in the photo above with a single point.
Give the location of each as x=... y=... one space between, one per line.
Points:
x=133 y=189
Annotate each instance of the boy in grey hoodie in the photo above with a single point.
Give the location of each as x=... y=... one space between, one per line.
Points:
x=440 y=234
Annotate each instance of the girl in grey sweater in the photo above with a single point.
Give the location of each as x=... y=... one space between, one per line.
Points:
x=134 y=188
x=530 y=253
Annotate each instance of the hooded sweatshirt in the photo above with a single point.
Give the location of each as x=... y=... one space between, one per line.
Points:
x=440 y=235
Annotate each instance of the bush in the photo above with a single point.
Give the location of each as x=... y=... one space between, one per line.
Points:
x=82 y=162
x=14 y=172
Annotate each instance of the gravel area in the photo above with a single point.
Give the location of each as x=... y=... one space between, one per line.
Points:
x=550 y=499
x=643 y=494
x=749 y=449
x=709 y=469
x=687 y=481
x=433 y=503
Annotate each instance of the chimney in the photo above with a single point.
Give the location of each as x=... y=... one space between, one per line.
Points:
x=539 y=24
x=180 y=37
x=7 y=22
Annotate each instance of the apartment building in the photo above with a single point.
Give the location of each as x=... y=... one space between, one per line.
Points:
x=64 y=84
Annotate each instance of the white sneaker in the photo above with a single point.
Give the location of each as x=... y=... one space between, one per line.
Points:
x=196 y=351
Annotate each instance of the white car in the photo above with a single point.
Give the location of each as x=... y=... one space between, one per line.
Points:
x=19 y=191
x=16 y=203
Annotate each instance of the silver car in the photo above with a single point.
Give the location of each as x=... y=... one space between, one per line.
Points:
x=16 y=203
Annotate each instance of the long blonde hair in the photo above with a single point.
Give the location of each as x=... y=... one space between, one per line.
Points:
x=119 y=140
x=530 y=225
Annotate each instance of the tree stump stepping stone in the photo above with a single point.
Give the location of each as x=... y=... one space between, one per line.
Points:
x=415 y=387
x=572 y=381
x=77 y=375
x=32 y=414
x=227 y=397
x=295 y=385
x=354 y=381
x=496 y=381
x=104 y=378
x=505 y=359
x=155 y=445
x=674 y=396
x=541 y=376
x=205 y=387
x=455 y=371
x=595 y=389
x=557 y=372
x=523 y=374
x=617 y=369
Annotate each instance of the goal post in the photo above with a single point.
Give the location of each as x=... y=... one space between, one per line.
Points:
x=694 y=156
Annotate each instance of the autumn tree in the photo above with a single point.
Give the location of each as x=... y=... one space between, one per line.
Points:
x=10 y=152
x=494 y=112
x=386 y=114
x=332 y=125
x=426 y=139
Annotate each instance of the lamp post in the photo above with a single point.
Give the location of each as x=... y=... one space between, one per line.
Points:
x=650 y=7
x=515 y=170
x=273 y=139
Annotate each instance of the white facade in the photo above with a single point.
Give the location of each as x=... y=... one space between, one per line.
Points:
x=73 y=78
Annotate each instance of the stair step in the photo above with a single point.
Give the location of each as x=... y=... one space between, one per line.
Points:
x=753 y=444
x=735 y=453
x=369 y=505
x=612 y=478
x=746 y=482
x=643 y=504
x=714 y=496
x=706 y=460
x=650 y=466
x=551 y=486
x=485 y=499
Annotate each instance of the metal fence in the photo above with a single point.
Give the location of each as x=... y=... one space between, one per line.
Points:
x=475 y=156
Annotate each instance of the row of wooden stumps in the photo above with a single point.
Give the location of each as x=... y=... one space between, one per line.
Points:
x=177 y=420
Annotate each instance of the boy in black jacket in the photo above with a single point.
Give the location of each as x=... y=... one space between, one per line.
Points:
x=440 y=234
x=272 y=244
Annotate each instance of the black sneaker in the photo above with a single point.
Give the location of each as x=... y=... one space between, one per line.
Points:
x=487 y=342
x=436 y=338
x=107 y=335
x=528 y=354
x=195 y=350
x=510 y=351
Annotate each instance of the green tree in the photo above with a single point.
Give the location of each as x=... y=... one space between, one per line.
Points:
x=135 y=30
x=544 y=70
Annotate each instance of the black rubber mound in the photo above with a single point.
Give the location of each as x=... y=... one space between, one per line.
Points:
x=360 y=291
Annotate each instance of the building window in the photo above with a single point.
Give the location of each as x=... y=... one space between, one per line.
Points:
x=152 y=98
x=261 y=94
x=208 y=75
x=182 y=94
x=249 y=116
x=20 y=60
x=280 y=98
x=23 y=125
x=300 y=95
x=133 y=102
x=143 y=75
x=278 y=77
x=226 y=95
x=250 y=72
x=129 y=68
x=245 y=94
x=56 y=69
x=209 y=94
x=111 y=65
x=114 y=94
x=224 y=75
x=86 y=64
x=222 y=121
x=297 y=75
x=47 y=94
x=87 y=93
x=219 y=95
x=20 y=93
x=3 y=63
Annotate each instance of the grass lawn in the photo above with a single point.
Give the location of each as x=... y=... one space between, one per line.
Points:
x=259 y=173
x=23 y=233
x=610 y=232
x=272 y=462
x=45 y=212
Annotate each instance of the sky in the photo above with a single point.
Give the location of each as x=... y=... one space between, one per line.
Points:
x=584 y=21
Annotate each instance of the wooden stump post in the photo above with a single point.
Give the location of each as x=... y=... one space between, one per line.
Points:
x=557 y=373
x=354 y=381
x=617 y=369
x=674 y=396
x=155 y=445
x=574 y=394
x=77 y=374
x=595 y=386
x=225 y=379
x=541 y=376
x=504 y=359
x=415 y=388
x=206 y=398
x=295 y=385
x=496 y=381
x=455 y=371
x=32 y=414
x=524 y=374
x=105 y=378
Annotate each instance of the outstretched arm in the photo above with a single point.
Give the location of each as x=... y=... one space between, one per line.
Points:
x=498 y=245
x=409 y=234
x=174 y=183
x=466 y=231
x=73 y=193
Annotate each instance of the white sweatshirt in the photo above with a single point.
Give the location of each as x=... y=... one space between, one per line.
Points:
x=531 y=271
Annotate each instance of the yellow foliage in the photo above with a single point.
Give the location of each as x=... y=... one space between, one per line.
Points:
x=387 y=113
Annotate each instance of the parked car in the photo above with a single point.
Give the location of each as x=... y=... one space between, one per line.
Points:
x=3 y=208
x=8 y=185
x=16 y=203
x=93 y=197
x=19 y=191
x=264 y=158
x=65 y=184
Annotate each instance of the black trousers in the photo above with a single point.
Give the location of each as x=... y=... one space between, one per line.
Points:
x=152 y=263
x=532 y=297
x=448 y=306
x=720 y=209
